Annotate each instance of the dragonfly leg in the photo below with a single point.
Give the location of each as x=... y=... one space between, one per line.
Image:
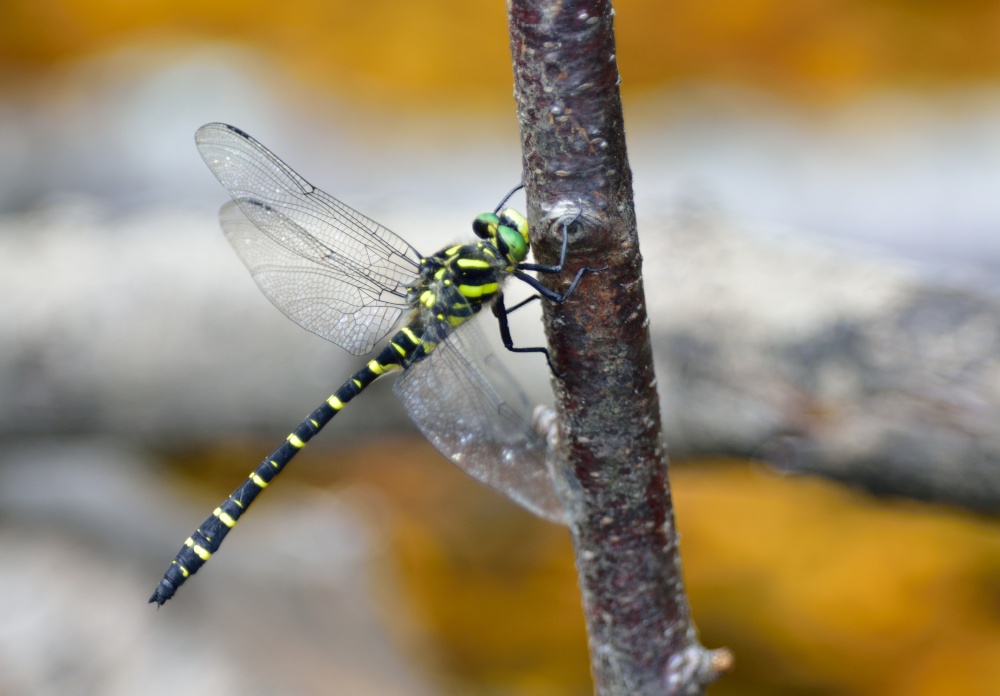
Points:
x=501 y=312
x=557 y=268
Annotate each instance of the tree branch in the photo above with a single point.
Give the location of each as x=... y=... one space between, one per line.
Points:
x=614 y=485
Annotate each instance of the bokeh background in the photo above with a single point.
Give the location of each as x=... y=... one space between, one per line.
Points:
x=142 y=374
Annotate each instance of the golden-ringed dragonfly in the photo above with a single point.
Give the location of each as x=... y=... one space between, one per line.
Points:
x=348 y=279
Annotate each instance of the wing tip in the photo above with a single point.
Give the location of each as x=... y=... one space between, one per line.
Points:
x=203 y=134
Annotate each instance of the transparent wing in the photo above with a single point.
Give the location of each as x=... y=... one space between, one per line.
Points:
x=454 y=396
x=329 y=268
x=316 y=295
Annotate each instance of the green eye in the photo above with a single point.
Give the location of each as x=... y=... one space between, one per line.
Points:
x=513 y=232
x=512 y=218
x=485 y=225
x=517 y=245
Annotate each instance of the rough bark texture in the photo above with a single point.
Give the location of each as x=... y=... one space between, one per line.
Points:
x=615 y=485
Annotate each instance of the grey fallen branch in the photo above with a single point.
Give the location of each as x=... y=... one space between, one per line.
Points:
x=836 y=363
x=828 y=362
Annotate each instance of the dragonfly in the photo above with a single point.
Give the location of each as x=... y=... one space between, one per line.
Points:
x=345 y=277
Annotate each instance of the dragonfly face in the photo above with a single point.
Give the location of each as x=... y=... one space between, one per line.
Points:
x=508 y=231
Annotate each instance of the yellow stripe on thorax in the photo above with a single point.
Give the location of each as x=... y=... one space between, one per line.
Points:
x=474 y=291
x=472 y=263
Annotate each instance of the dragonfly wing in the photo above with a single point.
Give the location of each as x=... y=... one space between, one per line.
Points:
x=469 y=406
x=282 y=227
x=315 y=294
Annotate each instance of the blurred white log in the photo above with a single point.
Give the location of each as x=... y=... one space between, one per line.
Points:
x=840 y=363
x=768 y=345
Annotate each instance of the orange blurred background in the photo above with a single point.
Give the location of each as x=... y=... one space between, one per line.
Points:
x=454 y=53
x=818 y=590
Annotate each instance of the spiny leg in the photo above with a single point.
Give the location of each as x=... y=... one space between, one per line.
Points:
x=557 y=268
x=500 y=310
x=521 y=303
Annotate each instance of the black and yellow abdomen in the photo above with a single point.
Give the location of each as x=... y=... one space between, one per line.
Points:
x=404 y=347
x=453 y=286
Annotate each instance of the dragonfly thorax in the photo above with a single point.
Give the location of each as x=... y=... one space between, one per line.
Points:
x=457 y=281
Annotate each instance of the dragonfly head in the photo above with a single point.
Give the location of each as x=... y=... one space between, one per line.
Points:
x=508 y=230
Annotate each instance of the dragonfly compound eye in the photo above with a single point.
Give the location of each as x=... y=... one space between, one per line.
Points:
x=512 y=243
x=485 y=225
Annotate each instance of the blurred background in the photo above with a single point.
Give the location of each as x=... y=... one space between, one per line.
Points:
x=816 y=185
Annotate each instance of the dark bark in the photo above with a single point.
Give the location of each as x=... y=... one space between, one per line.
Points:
x=614 y=484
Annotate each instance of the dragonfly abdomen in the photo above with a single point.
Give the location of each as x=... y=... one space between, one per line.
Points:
x=406 y=346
